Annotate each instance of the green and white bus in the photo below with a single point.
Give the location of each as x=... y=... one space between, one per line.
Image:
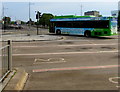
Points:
x=84 y=25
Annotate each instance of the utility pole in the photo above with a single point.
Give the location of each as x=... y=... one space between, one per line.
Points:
x=29 y=17
x=2 y=10
x=81 y=9
x=29 y=24
x=2 y=16
x=3 y=21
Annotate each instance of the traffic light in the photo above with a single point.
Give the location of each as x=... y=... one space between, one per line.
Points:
x=38 y=15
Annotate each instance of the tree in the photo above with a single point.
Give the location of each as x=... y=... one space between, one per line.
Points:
x=99 y=15
x=12 y=22
x=45 y=19
x=22 y=22
x=6 y=22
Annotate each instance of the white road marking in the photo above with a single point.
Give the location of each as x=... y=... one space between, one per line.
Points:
x=64 y=45
x=76 y=68
x=28 y=54
x=50 y=60
x=112 y=80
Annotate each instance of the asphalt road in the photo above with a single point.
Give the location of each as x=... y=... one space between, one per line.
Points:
x=26 y=30
x=74 y=63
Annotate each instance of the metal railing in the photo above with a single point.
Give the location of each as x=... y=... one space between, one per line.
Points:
x=5 y=60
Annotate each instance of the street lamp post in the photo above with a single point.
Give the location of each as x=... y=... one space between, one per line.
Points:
x=29 y=24
x=29 y=17
x=81 y=9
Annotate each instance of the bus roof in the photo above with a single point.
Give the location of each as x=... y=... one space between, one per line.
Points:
x=71 y=16
x=78 y=18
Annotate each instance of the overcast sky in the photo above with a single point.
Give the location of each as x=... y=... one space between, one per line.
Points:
x=20 y=10
x=59 y=0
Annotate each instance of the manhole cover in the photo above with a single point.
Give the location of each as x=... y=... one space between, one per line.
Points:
x=50 y=60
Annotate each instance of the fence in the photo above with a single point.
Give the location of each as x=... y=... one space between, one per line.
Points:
x=5 y=60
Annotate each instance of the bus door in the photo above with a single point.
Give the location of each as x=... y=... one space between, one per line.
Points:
x=52 y=27
x=114 y=25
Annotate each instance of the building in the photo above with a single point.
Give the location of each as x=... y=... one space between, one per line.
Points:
x=114 y=13
x=92 y=13
x=119 y=5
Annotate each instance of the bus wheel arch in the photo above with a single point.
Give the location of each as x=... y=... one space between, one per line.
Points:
x=58 y=31
x=87 y=33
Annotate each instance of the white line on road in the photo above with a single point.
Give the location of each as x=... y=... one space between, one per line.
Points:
x=28 y=54
x=64 y=45
x=76 y=68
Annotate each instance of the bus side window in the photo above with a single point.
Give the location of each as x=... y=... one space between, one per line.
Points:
x=69 y=24
x=76 y=24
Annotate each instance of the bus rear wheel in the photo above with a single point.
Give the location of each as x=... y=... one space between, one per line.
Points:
x=87 y=34
x=58 y=32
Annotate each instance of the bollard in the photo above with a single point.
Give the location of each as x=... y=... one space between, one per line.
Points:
x=10 y=55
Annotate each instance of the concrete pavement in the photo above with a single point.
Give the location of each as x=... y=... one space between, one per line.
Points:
x=26 y=37
x=17 y=78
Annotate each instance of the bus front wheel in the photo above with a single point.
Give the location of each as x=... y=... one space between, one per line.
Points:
x=87 y=34
x=58 y=32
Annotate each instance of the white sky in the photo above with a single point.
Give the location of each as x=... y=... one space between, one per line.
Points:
x=59 y=0
x=19 y=10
